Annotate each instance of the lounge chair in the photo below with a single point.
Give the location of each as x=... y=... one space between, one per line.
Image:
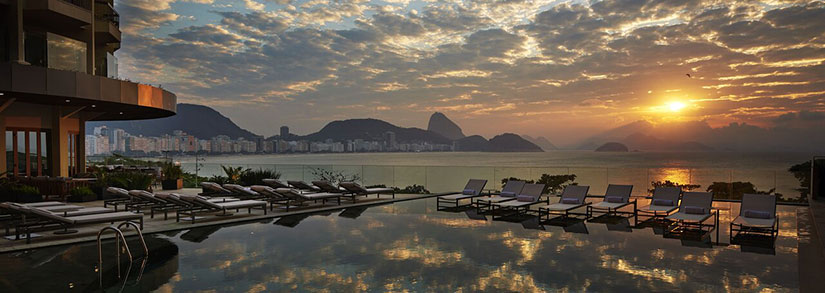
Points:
x=201 y=204
x=572 y=197
x=16 y=212
x=65 y=222
x=665 y=200
x=242 y=192
x=511 y=189
x=276 y=183
x=529 y=196
x=303 y=186
x=615 y=198
x=356 y=189
x=327 y=186
x=121 y=197
x=271 y=195
x=297 y=197
x=43 y=204
x=694 y=209
x=757 y=215
x=473 y=189
x=214 y=189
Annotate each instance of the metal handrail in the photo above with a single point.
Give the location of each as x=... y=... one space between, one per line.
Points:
x=139 y=234
x=119 y=236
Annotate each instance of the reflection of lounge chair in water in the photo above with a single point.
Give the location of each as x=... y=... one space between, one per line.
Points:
x=352 y=213
x=291 y=221
x=198 y=235
x=474 y=215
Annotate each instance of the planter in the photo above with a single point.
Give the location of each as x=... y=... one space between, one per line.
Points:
x=172 y=184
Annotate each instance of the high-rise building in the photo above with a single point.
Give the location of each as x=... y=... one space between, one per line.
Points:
x=284 y=132
x=57 y=62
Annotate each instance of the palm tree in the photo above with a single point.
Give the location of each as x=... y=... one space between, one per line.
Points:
x=233 y=174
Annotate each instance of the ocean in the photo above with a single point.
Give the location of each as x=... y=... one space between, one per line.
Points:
x=447 y=171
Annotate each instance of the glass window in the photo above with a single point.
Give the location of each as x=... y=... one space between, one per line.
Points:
x=20 y=151
x=65 y=53
x=10 y=152
x=44 y=153
x=35 y=46
x=32 y=153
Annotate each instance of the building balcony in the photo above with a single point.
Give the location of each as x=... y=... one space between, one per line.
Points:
x=59 y=13
x=107 y=23
x=107 y=98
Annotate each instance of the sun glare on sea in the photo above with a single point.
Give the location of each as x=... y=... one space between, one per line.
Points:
x=675 y=106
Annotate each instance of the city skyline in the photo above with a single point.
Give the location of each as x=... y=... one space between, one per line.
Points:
x=556 y=69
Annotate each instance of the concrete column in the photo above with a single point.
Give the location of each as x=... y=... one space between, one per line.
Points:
x=81 y=147
x=90 y=45
x=3 y=143
x=14 y=27
x=59 y=151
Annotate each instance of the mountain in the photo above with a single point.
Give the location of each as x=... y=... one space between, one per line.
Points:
x=509 y=142
x=439 y=123
x=473 y=143
x=373 y=129
x=612 y=147
x=197 y=120
x=541 y=141
x=794 y=131
x=639 y=141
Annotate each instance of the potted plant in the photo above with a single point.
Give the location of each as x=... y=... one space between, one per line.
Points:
x=172 y=177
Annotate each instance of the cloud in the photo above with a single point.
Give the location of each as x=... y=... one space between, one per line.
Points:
x=748 y=61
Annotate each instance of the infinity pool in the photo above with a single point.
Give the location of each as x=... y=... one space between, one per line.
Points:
x=411 y=246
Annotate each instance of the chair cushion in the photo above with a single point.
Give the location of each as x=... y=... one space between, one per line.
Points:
x=757 y=214
x=570 y=200
x=694 y=210
x=468 y=192
x=614 y=199
x=508 y=194
x=662 y=202
x=525 y=198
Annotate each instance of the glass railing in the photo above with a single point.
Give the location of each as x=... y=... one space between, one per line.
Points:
x=726 y=184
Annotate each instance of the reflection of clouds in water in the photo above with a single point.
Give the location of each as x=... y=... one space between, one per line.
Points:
x=427 y=253
x=625 y=266
x=447 y=252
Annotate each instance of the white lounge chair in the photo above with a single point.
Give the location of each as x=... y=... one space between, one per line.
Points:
x=121 y=197
x=276 y=183
x=473 y=189
x=297 y=197
x=572 y=197
x=530 y=195
x=694 y=209
x=665 y=200
x=303 y=186
x=511 y=189
x=242 y=192
x=201 y=204
x=356 y=189
x=757 y=215
x=50 y=218
x=615 y=198
x=214 y=189
x=272 y=196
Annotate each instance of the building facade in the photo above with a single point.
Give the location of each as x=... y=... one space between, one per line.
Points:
x=58 y=71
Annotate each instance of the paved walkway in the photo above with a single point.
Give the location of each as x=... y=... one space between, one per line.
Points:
x=158 y=224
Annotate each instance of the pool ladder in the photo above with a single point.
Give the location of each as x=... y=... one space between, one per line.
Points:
x=120 y=247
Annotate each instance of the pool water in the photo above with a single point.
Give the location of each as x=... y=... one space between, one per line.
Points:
x=411 y=246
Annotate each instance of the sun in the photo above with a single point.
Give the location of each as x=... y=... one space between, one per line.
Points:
x=675 y=106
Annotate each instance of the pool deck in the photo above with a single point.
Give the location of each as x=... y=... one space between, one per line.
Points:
x=88 y=233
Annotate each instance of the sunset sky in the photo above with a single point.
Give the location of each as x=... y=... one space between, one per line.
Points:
x=560 y=69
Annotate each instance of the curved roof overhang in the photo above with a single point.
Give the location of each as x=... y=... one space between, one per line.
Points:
x=106 y=98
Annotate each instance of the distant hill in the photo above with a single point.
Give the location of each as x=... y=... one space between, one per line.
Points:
x=509 y=142
x=197 y=120
x=473 y=143
x=439 y=123
x=640 y=141
x=542 y=142
x=373 y=129
x=612 y=147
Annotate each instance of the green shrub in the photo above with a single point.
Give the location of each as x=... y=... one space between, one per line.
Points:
x=81 y=191
x=233 y=174
x=191 y=181
x=16 y=192
x=668 y=183
x=553 y=184
x=333 y=176
x=219 y=179
x=735 y=190
x=129 y=180
x=171 y=171
x=255 y=177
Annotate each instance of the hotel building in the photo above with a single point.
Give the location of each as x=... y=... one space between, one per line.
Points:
x=58 y=71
